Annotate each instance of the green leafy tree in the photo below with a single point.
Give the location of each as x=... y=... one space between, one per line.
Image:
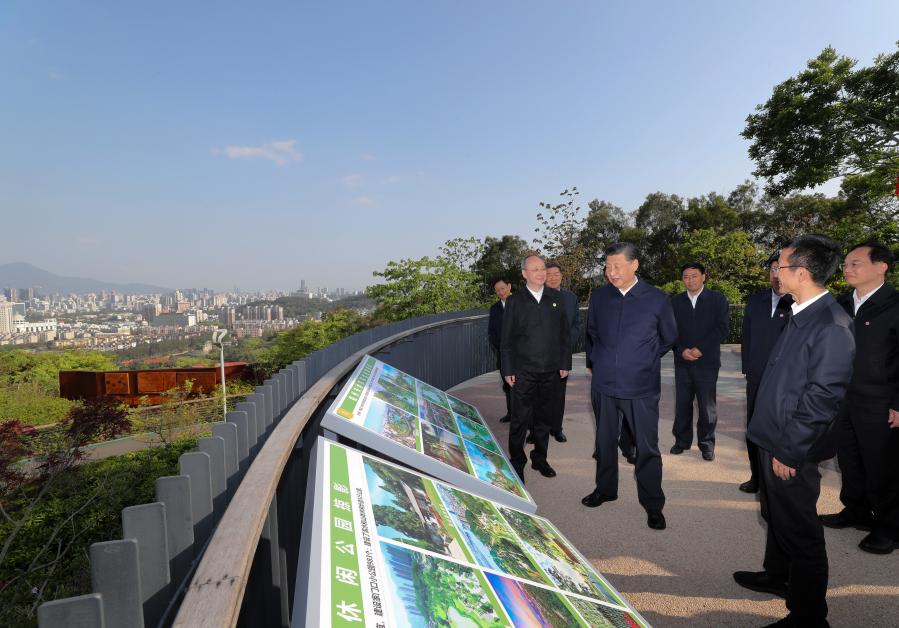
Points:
x=310 y=336
x=604 y=225
x=558 y=237
x=830 y=120
x=658 y=225
x=501 y=257
x=423 y=286
x=731 y=258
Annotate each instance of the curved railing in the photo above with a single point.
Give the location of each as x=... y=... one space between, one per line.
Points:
x=220 y=546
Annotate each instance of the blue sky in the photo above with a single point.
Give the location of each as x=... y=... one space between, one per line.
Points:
x=257 y=144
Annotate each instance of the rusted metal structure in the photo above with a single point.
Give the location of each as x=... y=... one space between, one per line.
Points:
x=148 y=386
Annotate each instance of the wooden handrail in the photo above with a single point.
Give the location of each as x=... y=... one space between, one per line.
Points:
x=217 y=589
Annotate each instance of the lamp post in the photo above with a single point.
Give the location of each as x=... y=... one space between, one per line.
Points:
x=218 y=338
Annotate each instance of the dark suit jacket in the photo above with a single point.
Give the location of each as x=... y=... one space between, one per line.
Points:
x=760 y=332
x=495 y=325
x=572 y=315
x=535 y=335
x=876 y=328
x=704 y=326
x=803 y=384
x=626 y=337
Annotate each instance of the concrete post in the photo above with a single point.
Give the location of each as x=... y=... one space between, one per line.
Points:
x=146 y=524
x=115 y=575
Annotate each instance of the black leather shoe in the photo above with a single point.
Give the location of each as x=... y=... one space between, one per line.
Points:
x=655 y=520
x=879 y=542
x=846 y=519
x=505 y=419
x=708 y=455
x=530 y=438
x=750 y=486
x=596 y=498
x=544 y=469
x=677 y=450
x=761 y=582
x=560 y=437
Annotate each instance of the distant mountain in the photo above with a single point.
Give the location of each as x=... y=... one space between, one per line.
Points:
x=25 y=275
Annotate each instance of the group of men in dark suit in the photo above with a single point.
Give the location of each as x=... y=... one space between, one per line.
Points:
x=822 y=377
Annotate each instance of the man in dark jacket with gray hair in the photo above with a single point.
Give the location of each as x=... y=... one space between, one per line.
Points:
x=803 y=385
x=630 y=326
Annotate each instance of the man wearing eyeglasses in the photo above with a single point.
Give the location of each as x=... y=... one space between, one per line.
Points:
x=868 y=445
x=764 y=317
x=799 y=396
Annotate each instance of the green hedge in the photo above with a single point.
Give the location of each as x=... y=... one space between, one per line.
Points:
x=116 y=482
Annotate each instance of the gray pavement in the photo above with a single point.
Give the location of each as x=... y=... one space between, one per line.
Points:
x=682 y=576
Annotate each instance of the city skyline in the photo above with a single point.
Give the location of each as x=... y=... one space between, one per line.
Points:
x=174 y=145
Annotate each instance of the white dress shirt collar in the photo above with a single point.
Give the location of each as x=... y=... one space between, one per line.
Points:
x=859 y=302
x=798 y=307
x=694 y=298
x=624 y=292
x=537 y=295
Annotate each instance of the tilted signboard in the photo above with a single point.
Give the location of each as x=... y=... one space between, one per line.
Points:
x=421 y=426
x=390 y=547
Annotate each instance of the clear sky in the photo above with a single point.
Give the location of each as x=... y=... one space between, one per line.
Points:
x=256 y=144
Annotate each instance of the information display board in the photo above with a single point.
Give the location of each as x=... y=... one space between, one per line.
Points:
x=421 y=426
x=390 y=547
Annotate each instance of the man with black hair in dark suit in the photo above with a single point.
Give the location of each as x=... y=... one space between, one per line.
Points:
x=798 y=400
x=503 y=289
x=703 y=318
x=868 y=426
x=573 y=316
x=764 y=317
x=630 y=326
x=535 y=353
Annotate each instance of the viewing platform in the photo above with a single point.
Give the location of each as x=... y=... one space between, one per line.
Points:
x=682 y=576
x=221 y=545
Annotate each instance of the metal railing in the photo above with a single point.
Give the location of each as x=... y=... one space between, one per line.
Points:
x=220 y=545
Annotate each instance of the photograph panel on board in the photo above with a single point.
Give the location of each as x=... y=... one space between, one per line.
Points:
x=404 y=399
x=493 y=469
x=444 y=446
x=476 y=433
x=488 y=537
x=465 y=409
x=428 y=591
x=530 y=605
x=599 y=616
x=437 y=415
x=405 y=512
x=556 y=557
x=397 y=377
x=397 y=425
x=434 y=395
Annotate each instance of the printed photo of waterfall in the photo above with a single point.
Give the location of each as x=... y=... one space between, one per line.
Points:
x=429 y=592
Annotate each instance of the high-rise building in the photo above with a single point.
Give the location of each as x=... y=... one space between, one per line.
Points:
x=230 y=316
x=302 y=285
x=6 y=317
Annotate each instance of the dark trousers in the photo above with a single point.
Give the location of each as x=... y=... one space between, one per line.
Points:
x=507 y=390
x=690 y=384
x=533 y=396
x=868 y=453
x=642 y=418
x=559 y=412
x=752 y=391
x=794 y=548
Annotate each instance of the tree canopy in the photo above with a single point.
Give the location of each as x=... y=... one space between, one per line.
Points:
x=831 y=120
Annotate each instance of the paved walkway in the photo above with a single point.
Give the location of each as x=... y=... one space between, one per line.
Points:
x=682 y=576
